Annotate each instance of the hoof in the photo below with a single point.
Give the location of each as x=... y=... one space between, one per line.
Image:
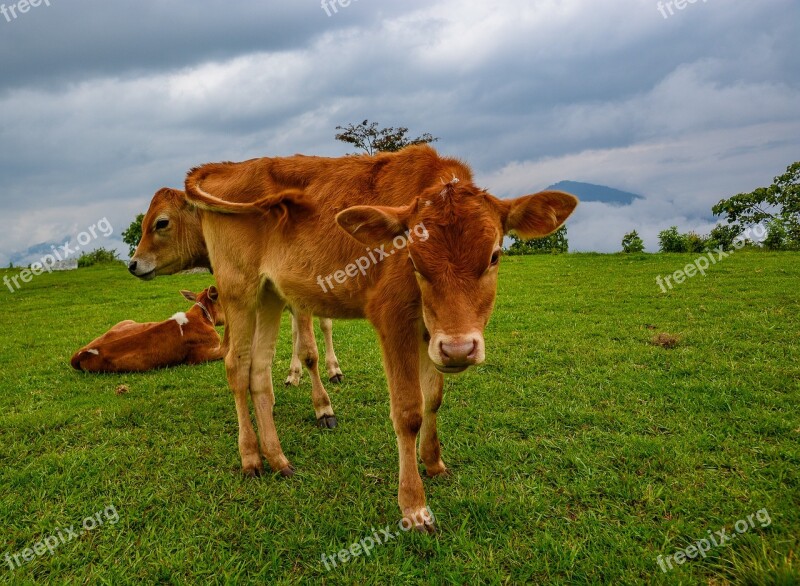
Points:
x=288 y=472
x=337 y=378
x=327 y=422
x=438 y=473
x=426 y=529
x=252 y=472
x=421 y=521
x=291 y=381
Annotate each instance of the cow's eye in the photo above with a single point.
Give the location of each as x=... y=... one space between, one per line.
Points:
x=495 y=258
x=162 y=224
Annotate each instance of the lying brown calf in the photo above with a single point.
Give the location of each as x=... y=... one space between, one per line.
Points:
x=185 y=338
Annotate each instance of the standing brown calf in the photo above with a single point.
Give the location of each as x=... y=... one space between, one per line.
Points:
x=186 y=338
x=417 y=254
x=172 y=240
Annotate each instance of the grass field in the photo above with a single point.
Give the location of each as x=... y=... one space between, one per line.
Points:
x=580 y=451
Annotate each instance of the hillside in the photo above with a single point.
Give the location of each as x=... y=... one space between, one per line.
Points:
x=591 y=192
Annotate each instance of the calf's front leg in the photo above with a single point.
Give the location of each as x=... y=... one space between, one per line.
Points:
x=401 y=362
x=432 y=382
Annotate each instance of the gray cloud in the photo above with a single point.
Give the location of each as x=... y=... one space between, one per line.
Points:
x=105 y=102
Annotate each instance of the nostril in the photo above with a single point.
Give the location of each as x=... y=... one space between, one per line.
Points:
x=132 y=266
x=459 y=352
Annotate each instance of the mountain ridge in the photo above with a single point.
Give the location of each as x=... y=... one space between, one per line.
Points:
x=594 y=192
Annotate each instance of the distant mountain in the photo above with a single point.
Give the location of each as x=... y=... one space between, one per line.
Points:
x=37 y=251
x=601 y=193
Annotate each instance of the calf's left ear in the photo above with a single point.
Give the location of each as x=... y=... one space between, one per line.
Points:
x=537 y=215
x=213 y=294
x=188 y=295
x=374 y=224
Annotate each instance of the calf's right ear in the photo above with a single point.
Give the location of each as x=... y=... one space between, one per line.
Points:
x=189 y=295
x=537 y=215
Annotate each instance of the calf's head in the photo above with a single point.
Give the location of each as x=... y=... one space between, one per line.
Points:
x=452 y=237
x=172 y=237
x=209 y=300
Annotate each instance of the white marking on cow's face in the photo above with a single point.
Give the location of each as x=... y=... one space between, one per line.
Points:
x=93 y=351
x=181 y=319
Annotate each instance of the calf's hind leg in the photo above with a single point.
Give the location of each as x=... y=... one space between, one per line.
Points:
x=240 y=327
x=296 y=367
x=306 y=350
x=331 y=362
x=260 y=377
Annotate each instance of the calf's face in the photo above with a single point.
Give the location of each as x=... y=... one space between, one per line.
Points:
x=209 y=298
x=453 y=238
x=172 y=237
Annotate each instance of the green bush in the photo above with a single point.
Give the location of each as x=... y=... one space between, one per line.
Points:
x=776 y=236
x=723 y=235
x=631 y=242
x=98 y=256
x=695 y=242
x=671 y=241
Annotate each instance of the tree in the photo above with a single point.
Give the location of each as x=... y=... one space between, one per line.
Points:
x=133 y=234
x=632 y=243
x=371 y=139
x=555 y=243
x=780 y=202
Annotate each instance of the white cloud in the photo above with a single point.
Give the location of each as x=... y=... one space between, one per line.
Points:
x=684 y=111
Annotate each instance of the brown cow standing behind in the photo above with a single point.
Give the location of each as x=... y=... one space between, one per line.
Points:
x=433 y=240
x=186 y=338
x=172 y=233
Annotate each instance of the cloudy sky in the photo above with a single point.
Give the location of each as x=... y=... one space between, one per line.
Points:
x=103 y=102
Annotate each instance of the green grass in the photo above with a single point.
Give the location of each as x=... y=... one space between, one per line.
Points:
x=579 y=450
